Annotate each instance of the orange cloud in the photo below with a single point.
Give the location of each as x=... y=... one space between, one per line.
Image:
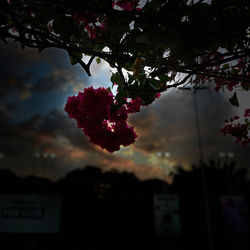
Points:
x=142 y=172
x=77 y=154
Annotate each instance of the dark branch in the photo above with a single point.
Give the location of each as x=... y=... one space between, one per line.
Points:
x=84 y=65
x=183 y=81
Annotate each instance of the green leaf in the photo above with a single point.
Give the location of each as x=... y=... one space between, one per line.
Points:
x=147 y=98
x=98 y=46
x=116 y=78
x=73 y=60
x=154 y=84
x=142 y=39
x=142 y=78
x=98 y=60
x=130 y=78
x=225 y=66
x=245 y=86
x=234 y=100
x=163 y=77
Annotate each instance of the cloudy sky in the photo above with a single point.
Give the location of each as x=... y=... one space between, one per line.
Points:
x=33 y=91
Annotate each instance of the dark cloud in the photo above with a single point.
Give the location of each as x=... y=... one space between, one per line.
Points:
x=56 y=133
x=14 y=74
x=57 y=123
x=53 y=134
x=24 y=72
x=27 y=73
x=57 y=80
x=13 y=83
x=54 y=125
x=144 y=120
x=169 y=125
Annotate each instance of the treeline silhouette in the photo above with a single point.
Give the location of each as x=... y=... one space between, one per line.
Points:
x=115 y=210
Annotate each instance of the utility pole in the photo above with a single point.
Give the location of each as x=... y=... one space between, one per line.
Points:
x=201 y=161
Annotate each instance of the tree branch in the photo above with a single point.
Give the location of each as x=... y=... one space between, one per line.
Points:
x=85 y=66
x=184 y=80
x=122 y=76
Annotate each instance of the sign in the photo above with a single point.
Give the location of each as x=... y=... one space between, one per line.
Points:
x=30 y=213
x=235 y=215
x=167 y=217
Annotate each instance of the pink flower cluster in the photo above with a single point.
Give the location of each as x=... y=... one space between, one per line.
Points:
x=90 y=21
x=238 y=130
x=247 y=113
x=92 y=111
x=220 y=82
x=95 y=23
x=127 y=5
x=230 y=84
x=134 y=105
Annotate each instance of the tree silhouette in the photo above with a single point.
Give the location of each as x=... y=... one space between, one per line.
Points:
x=123 y=215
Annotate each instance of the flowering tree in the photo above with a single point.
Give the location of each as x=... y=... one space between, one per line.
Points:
x=153 y=47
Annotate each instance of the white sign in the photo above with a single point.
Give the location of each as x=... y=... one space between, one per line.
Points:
x=30 y=213
x=167 y=217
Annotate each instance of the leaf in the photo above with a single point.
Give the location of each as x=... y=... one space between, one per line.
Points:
x=116 y=78
x=147 y=97
x=130 y=79
x=234 y=100
x=142 y=39
x=245 y=86
x=98 y=60
x=163 y=77
x=143 y=78
x=225 y=66
x=98 y=46
x=155 y=84
x=73 y=60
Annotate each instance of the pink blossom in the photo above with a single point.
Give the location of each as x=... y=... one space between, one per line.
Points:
x=79 y=18
x=237 y=130
x=92 y=111
x=157 y=95
x=134 y=105
x=90 y=21
x=104 y=127
x=127 y=5
x=91 y=31
x=247 y=113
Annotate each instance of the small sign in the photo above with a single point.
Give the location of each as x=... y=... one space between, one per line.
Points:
x=30 y=213
x=167 y=215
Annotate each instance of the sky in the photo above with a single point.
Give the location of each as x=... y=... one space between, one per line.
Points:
x=38 y=138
